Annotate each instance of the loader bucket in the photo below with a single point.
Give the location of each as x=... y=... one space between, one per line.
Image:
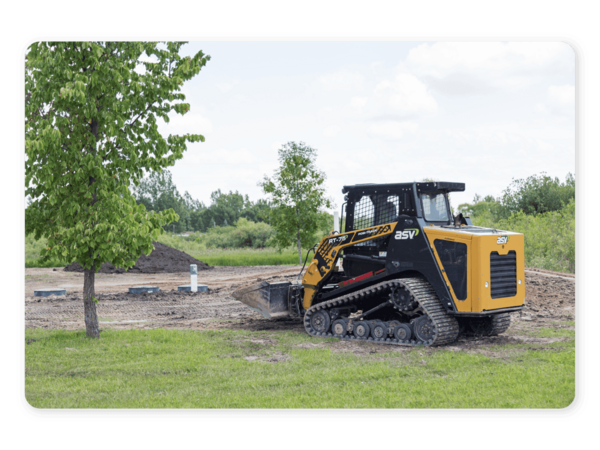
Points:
x=269 y=299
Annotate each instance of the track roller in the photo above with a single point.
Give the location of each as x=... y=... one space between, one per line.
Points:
x=362 y=329
x=402 y=332
x=339 y=328
x=379 y=330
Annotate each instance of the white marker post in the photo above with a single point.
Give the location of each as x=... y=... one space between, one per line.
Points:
x=194 y=277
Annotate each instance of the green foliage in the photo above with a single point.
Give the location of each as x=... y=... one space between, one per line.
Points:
x=90 y=131
x=245 y=234
x=549 y=237
x=298 y=193
x=198 y=245
x=225 y=209
x=227 y=369
x=540 y=207
x=157 y=192
x=33 y=249
x=488 y=207
x=537 y=194
x=324 y=225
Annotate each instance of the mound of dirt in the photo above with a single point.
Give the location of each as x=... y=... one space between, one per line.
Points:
x=547 y=296
x=163 y=259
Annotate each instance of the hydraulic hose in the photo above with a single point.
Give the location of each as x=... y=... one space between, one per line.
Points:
x=306 y=259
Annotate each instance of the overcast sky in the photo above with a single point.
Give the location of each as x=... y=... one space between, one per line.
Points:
x=472 y=112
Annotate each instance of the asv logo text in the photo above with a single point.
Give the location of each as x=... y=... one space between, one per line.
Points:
x=502 y=240
x=407 y=234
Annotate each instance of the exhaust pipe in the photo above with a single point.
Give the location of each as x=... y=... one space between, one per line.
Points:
x=268 y=299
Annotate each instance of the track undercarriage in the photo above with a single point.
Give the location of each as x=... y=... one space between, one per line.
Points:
x=403 y=311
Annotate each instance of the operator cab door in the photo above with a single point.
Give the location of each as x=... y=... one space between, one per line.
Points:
x=369 y=210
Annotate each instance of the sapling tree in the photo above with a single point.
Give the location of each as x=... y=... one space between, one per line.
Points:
x=298 y=193
x=91 y=129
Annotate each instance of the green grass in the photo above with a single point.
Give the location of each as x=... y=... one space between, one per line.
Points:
x=246 y=257
x=213 y=257
x=206 y=369
x=553 y=333
x=33 y=263
x=232 y=256
x=32 y=253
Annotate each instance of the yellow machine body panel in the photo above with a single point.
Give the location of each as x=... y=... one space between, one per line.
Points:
x=434 y=233
x=480 y=247
x=328 y=252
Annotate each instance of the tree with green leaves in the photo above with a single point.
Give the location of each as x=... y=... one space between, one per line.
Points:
x=258 y=211
x=91 y=129
x=297 y=194
x=157 y=192
x=226 y=208
x=487 y=206
x=538 y=194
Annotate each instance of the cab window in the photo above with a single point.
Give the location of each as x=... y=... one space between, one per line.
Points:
x=435 y=207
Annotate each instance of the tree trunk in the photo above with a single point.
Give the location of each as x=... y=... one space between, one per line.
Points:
x=89 y=305
x=299 y=247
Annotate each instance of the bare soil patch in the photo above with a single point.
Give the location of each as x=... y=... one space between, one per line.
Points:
x=551 y=272
x=550 y=303
x=218 y=277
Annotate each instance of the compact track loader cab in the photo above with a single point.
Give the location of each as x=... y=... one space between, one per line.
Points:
x=412 y=273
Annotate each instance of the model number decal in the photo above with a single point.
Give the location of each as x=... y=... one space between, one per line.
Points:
x=409 y=233
x=337 y=240
x=502 y=240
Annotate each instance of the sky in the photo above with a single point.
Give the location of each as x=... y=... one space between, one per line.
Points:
x=482 y=113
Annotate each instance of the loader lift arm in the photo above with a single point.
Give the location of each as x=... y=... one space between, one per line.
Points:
x=326 y=255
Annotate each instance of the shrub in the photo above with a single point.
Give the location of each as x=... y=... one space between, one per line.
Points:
x=245 y=234
x=549 y=236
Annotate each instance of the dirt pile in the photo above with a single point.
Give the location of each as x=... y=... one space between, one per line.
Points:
x=549 y=296
x=163 y=259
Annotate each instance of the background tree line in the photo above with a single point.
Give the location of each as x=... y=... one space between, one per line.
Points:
x=231 y=220
x=157 y=192
x=540 y=207
x=534 y=195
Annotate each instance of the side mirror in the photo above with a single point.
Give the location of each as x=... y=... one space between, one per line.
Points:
x=459 y=220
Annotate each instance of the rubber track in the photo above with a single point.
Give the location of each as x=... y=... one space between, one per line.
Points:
x=446 y=326
x=500 y=324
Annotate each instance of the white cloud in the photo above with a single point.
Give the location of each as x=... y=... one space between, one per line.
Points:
x=226 y=86
x=343 y=80
x=562 y=97
x=473 y=67
x=359 y=102
x=199 y=155
x=390 y=129
x=332 y=131
x=560 y=100
x=406 y=94
x=192 y=123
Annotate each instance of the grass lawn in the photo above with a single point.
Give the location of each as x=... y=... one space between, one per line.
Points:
x=213 y=257
x=245 y=256
x=243 y=369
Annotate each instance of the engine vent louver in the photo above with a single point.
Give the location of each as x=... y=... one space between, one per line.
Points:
x=503 y=271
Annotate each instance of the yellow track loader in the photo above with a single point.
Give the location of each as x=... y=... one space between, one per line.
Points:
x=411 y=272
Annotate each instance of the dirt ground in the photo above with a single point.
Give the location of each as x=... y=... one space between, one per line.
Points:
x=550 y=301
